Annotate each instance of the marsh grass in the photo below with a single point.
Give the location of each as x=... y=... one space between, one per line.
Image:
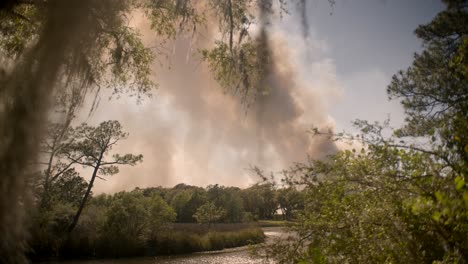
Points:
x=273 y=223
x=179 y=238
x=183 y=241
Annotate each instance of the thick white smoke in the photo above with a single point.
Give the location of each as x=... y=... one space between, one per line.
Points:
x=192 y=132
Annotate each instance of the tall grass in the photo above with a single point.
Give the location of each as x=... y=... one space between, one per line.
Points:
x=205 y=228
x=273 y=223
x=176 y=239
x=183 y=242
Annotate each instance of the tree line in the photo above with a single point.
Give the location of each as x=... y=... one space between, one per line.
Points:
x=128 y=223
x=187 y=203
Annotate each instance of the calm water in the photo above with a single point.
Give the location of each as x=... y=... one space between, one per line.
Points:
x=239 y=255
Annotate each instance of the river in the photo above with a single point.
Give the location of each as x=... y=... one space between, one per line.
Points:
x=240 y=255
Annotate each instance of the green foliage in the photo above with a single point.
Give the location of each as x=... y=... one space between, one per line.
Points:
x=112 y=54
x=209 y=214
x=185 y=200
x=17 y=29
x=48 y=230
x=130 y=224
x=273 y=223
x=239 y=70
x=69 y=188
x=90 y=146
x=349 y=216
x=260 y=200
x=237 y=61
x=168 y=17
x=289 y=201
x=132 y=219
x=229 y=199
x=433 y=90
x=397 y=200
x=140 y=222
x=111 y=226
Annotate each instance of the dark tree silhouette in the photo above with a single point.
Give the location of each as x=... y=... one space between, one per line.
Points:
x=90 y=150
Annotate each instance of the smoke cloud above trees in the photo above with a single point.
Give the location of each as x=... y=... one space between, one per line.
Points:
x=192 y=132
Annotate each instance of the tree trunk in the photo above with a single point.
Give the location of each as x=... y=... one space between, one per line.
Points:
x=85 y=198
x=45 y=194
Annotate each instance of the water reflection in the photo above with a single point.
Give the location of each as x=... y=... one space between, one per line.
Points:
x=237 y=256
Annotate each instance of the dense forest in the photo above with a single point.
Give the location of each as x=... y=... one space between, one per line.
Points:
x=391 y=195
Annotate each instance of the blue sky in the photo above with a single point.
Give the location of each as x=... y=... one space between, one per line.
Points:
x=368 y=41
x=367 y=34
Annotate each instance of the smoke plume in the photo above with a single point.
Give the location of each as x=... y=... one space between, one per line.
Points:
x=192 y=132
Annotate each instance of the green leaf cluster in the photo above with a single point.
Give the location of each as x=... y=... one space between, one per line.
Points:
x=402 y=198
